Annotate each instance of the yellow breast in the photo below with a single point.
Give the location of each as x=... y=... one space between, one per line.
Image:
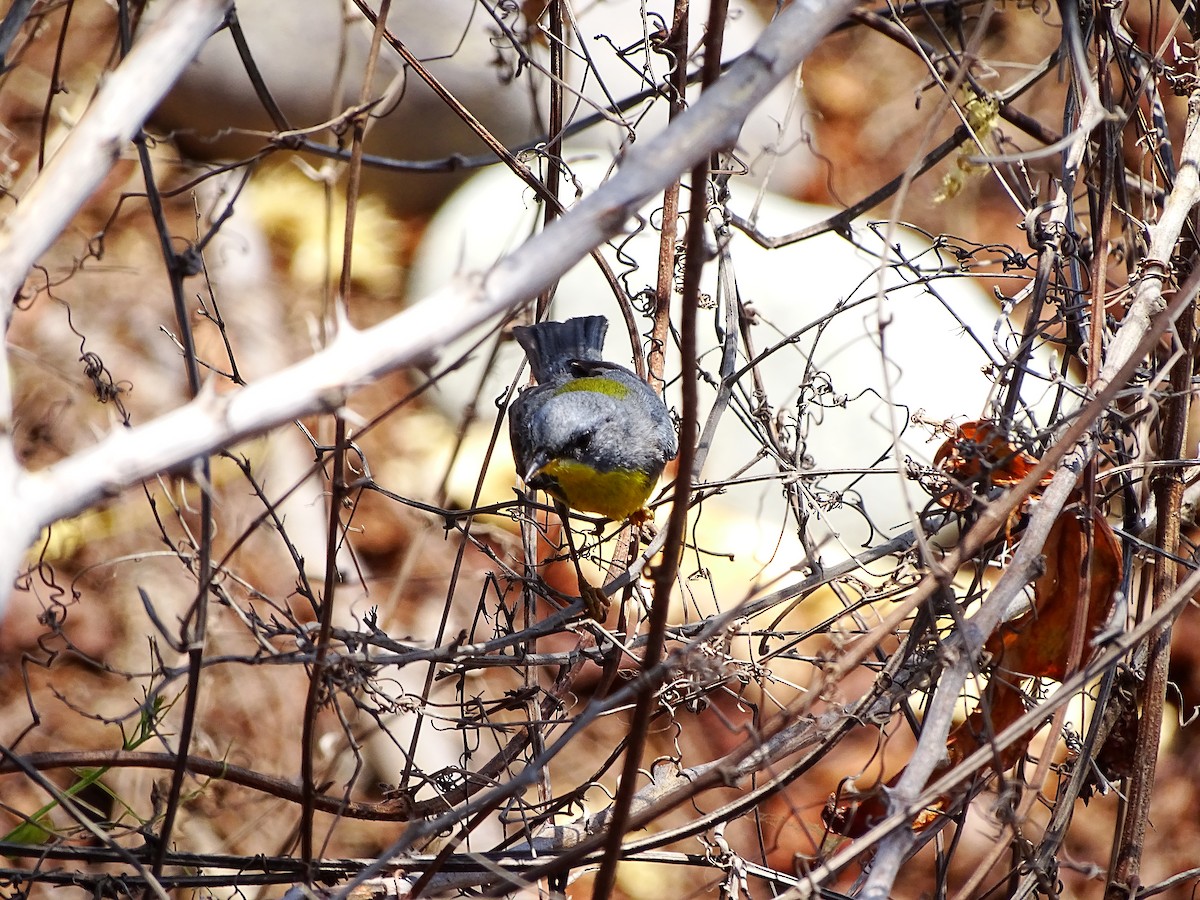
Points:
x=615 y=495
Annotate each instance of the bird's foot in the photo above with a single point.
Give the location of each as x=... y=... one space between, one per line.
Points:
x=641 y=518
x=643 y=521
x=595 y=601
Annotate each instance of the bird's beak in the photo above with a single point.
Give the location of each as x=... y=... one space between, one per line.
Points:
x=540 y=461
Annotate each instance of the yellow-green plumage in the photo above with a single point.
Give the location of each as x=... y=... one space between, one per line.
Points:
x=605 y=386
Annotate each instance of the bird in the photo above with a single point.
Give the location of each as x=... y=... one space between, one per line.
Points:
x=591 y=433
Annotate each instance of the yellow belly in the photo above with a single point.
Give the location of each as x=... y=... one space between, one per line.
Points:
x=615 y=495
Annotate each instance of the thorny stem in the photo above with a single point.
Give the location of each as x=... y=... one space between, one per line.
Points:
x=676 y=49
x=338 y=488
x=664 y=575
x=1168 y=493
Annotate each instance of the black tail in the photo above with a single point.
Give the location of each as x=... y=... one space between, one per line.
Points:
x=552 y=346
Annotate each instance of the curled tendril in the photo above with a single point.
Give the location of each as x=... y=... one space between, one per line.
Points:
x=105 y=388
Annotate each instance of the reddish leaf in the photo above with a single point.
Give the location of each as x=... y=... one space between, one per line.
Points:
x=980 y=451
x=1075 y=586
x=1000 y=706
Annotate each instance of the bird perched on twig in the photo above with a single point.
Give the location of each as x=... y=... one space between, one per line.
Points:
x=592 y=434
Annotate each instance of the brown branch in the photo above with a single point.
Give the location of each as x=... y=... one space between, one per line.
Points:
x=384 y=811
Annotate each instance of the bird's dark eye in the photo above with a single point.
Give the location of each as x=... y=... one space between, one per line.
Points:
x=582 y=441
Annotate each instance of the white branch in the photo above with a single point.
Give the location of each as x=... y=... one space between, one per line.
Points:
x=127 y=97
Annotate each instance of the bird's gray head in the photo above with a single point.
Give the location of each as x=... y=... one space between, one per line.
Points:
x=599 y=430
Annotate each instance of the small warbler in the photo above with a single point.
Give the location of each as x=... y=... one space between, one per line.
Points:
x=591 y=433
